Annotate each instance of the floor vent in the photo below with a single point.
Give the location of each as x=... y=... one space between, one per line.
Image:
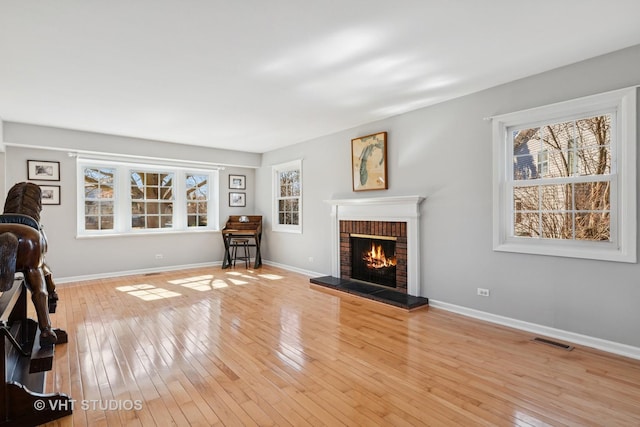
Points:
x=554 y=343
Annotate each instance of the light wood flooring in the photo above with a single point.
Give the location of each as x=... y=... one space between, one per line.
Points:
x=238 y=347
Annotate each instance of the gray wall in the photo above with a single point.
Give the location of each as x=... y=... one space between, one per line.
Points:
x=444 y=152
x=70 y=257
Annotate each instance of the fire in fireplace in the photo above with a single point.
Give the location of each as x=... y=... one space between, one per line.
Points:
x=374 y=259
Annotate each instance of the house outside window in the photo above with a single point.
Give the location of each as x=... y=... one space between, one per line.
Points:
x=287 y=197
x=118 y=197
x=564 y=179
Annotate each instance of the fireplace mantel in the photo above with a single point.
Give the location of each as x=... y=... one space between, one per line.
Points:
x=399 y=208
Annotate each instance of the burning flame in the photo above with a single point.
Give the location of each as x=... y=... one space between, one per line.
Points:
x=375 y=258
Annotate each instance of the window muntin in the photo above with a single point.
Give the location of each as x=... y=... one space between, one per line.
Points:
x=99 y=198
x=288 y=197
x=117 y=197
x=579 y=201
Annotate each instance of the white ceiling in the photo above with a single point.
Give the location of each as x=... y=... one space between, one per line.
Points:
x=256 y=75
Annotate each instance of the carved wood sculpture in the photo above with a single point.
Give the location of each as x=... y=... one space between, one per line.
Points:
x=26 y=346
x=22 y=248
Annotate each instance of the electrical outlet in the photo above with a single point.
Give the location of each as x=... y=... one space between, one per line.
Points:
x=483 y=292
x=159 y=256
x=310 y=259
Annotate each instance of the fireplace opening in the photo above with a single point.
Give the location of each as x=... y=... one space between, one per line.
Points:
x=374 y=259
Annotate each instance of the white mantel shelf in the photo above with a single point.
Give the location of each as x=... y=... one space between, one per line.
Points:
x=394 y=208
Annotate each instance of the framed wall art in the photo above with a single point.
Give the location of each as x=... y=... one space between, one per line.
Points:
x=369 y=162
x=237 y=199
x=50 y=194
x=237 y=182
x=40 y=170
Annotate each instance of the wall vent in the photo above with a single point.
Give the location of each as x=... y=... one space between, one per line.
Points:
x=554 y=343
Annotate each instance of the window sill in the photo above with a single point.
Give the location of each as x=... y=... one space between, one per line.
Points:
x=145 y=233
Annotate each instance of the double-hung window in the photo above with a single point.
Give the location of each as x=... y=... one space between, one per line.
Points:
x=564 y=179
x=287 y=197
x=117 y=197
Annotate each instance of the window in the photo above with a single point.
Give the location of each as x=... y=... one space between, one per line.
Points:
x=287 y=189
x=119 y=197
x=151 y=199
x=98 y=198
x=197 y=196
x=564 y=179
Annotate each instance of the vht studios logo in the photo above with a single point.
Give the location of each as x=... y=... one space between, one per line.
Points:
x=87 y=405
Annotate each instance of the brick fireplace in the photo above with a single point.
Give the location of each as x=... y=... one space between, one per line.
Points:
x=387 y=217
x=375 y=229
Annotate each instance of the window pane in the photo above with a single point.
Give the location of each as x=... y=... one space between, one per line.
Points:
x=593 y=226
x=91 y=223
x=556 y=197
x=106 y=223
x=527 y=225
x=526 y=198
x=592 y=196
x=557 y=225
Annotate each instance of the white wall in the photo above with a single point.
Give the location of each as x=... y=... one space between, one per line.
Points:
x=72 y=258
x=444 y=153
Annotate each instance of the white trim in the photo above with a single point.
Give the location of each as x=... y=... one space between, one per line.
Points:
x=71 y=279
x=294 y=269
x=401 y=209
x=588 y=341
x=623 y=196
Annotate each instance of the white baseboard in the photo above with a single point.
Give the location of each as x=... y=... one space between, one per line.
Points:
x=585 y=340
x=294 y=269
x=63 y=280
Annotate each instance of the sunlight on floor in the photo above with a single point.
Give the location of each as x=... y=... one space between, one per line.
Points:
x=147 y=292
x=202 y=283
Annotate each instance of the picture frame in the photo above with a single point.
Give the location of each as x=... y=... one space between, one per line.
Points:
x=369 y=162
x=237 y=199
x=42 y=170
x=50 y=194
x=237 y=182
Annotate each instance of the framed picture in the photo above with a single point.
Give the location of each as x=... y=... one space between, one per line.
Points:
x=238 y=199
x=237 y=182
x=369 y=162
x=41 y=170
x=50 y=194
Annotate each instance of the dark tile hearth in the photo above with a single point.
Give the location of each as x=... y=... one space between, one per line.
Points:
x=373 y=292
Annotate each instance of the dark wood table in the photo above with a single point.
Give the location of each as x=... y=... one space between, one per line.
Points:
x=249 y=228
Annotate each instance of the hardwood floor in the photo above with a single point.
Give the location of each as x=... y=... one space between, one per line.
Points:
x=239 y=347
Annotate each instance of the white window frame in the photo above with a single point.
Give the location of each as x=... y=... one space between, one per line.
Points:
x=276 y=169
x=622 y=245
x=122 y=198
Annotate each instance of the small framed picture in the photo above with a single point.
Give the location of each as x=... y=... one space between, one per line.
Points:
x=40 y=170
x=237 y=182
x=238 y=199
x=50 y=194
